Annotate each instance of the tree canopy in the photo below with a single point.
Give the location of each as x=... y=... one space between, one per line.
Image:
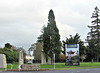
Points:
x=51 y=37
x=75 y=40
x=93 y=37
x=11 y=54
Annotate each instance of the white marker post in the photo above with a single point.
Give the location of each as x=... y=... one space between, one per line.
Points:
x=54 y=60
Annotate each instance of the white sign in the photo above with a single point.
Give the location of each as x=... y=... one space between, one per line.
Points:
x=19 y=67
x=72 y=54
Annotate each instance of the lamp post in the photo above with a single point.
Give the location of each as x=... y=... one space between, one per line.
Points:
x=52 y=52
x=54 y=60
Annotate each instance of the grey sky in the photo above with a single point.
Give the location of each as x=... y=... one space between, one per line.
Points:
x=21 y=20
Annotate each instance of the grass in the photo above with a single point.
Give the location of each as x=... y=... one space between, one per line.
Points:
x=13 y=66
x=62 y=66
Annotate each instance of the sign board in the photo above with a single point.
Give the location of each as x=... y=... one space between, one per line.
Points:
x=19 y=66
x=72 y=54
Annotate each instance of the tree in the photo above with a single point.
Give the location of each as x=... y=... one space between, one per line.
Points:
x=11 y=52
x=75 y=40
x=51 y=37
x=83 y=57
x=8 y=45
x=94 y=34
x=36 y=48
x=39 y=48
x=11 y=55
x=92 y=51
x=62 y=58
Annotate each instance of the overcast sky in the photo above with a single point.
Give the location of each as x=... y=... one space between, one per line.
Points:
x=21 y=20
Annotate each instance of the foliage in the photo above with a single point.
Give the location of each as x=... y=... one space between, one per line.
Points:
x=50 y=37
x=83 y=57
x=40 y=38
x=93 y=37
x=13 y=66
x=8 y=45
x=37 y=52
x=36 y=48
x=62 y=56
x=12 y=54
x=92 y=51
x=75 y=40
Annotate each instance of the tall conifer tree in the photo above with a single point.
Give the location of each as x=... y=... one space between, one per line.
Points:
x=51 y=37
x=54 y=36
x=94 y=34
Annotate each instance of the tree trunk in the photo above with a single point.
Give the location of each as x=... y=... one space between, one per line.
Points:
x=97 y=59
x=82 y=60
x=49 y=60
x=92 y=61
x=52 y=61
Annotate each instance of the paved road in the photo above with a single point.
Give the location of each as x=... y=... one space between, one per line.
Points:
x=95 y=70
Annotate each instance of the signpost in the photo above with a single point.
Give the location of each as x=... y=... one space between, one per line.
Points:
x=72 y=54
x=54 y=61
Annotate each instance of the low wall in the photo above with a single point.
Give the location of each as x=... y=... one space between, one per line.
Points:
x=30 y=66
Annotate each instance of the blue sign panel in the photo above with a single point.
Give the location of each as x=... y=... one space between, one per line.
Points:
x=72 y=54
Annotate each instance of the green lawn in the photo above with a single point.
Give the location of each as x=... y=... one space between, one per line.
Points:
x=62 y=66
